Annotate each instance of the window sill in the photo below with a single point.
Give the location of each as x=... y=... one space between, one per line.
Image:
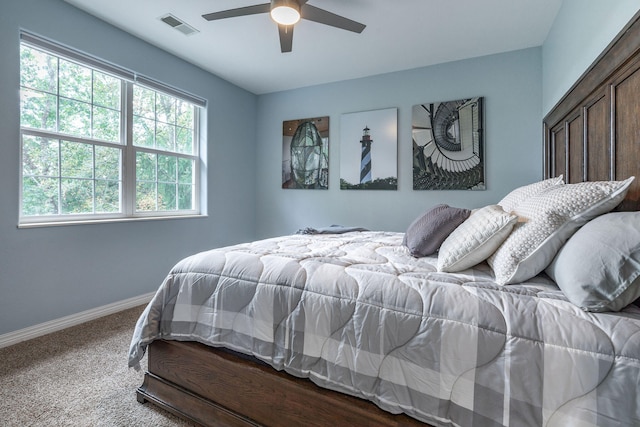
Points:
x=106 y=220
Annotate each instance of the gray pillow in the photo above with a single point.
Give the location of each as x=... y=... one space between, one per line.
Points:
x=427 y=232
x=598 y=269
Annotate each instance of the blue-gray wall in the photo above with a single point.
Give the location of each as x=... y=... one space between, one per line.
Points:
x=511 y=84
x=519 y=88
x=51 y=272
x=581 y=31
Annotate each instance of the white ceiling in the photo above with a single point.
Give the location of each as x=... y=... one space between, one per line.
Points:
x=400 y=35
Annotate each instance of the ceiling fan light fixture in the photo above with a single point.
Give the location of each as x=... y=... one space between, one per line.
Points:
x=285 y=12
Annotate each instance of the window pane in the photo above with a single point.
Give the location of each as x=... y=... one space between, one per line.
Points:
x=75 y=118
x=106 y=91
x=165 y=137
x=184 y=140
x=144 y=101
x=39 y=196
x=184 y=114
x=107 y=163
x=143 y=132
x=38 y=110
x=76 y=160
x=106 y=124
x=167 y=168
x=146 y=196
x=172 y=127
x=164 y=193
x=75 y=81
x=185 y=196
x=39 y=156
x=77 y=196
x=145 y=167
x=107 y=196
x=38 y=70
x=165 y=108
x=166 y=197
x=185 y=171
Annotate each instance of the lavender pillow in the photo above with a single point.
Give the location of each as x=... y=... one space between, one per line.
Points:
x=427 y=232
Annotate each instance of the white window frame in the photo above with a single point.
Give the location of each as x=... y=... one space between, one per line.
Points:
x=128 y=159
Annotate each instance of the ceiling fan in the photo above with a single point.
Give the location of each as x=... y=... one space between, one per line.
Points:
x=286 y=13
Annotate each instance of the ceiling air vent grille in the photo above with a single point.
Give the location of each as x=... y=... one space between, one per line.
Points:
x=179 y=25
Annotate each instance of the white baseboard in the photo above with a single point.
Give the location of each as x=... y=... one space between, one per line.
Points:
x=72 y=320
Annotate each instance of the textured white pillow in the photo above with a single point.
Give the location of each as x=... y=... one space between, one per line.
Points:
x=475 y=239
x=546 y=221
x=598 y=269
x=516 y=197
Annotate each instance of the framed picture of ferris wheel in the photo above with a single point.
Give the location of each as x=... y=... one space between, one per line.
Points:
x=305 y=153
x=448 y=145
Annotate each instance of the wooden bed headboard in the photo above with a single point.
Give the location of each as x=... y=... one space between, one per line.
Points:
x=593 y=133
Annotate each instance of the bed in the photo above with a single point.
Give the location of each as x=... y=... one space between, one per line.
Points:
x=374 y=328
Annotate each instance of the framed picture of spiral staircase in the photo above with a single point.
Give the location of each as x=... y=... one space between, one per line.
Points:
x=448 y=145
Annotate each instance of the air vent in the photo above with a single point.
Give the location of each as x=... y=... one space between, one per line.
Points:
x=179 y=25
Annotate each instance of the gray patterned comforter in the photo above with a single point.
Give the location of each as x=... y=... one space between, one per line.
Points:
x=357 y=313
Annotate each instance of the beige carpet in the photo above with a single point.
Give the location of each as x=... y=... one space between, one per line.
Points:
x=77 y=377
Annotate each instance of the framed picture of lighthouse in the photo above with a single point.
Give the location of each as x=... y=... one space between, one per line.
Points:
x=448 y=145
x=369 y=150
x=305 y=153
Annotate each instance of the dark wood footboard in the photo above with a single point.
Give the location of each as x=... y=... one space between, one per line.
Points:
x=213 y=387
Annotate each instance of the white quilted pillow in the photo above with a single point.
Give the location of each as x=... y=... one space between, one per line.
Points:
x=546 y=221
x=519 y=195
x=475 y=239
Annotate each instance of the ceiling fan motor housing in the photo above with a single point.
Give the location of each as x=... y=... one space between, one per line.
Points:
x=285 y=12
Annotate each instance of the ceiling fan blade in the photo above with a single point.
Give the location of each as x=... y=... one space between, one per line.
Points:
x=322 y=16
x=286 y=37
x=241 y=11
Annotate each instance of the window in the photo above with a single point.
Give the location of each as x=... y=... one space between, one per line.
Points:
x=99 y=142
